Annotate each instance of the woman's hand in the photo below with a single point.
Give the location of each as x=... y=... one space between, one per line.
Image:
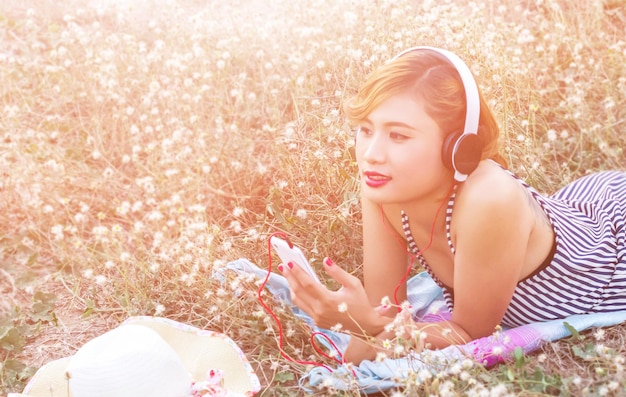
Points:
x=348 y=306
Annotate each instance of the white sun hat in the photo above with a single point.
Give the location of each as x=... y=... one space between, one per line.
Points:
x=148 y=356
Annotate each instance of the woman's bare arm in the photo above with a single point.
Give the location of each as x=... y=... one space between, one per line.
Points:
x=491 y=237
x=384 y=258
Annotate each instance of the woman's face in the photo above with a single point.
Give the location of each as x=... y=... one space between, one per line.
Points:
x=398 y=151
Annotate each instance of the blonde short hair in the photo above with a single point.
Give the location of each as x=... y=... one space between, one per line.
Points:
x=433 y=79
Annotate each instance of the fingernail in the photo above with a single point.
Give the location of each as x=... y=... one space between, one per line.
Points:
x=280 y=267
x=290 y=265
x=328 y=262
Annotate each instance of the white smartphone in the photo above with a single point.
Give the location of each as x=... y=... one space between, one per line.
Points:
x=292 y=254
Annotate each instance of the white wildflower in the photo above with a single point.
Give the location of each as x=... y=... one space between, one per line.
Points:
x=380 y=356
x=237 y=212
x=599 y=334
x=425 y=374
x=301 y=213
x=337 y=327
x=159 y=310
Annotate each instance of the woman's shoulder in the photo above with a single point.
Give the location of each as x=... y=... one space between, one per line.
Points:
x=490 y=184
x=491 y=195
x=492 y=209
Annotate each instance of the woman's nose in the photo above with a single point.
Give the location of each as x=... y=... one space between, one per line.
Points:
x=373 y=149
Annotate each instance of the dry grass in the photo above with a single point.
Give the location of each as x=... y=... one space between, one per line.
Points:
x=145 y=144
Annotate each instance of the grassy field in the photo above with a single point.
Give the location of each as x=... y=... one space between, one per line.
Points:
x=144 y=144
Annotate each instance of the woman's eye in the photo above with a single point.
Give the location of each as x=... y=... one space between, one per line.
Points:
x=363 y=131
x=397 y=136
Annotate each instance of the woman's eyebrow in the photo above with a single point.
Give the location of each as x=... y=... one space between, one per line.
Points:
x=388 y=124
x=398 y=124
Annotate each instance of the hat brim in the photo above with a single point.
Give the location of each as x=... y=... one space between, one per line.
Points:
x=199 y=350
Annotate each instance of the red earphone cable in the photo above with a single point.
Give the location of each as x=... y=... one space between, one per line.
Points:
x=395 y=292
x=279 y=325
x=420 y=251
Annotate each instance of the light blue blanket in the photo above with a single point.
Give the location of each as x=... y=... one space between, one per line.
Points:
x=427 y=300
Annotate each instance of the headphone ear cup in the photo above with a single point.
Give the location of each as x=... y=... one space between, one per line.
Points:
x=462 y=152
x=447 y=150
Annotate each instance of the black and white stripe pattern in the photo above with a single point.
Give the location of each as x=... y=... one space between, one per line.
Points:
x=412 y=246
x=588 y=271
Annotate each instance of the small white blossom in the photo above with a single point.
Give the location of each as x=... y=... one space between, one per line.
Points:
x=455 y=369
x=467 y=363
x=159 y=310
x=57 y=231
x=237 y=212
x=301 y=213
x=381 y=356
x=337 y=327
x=425 y=374
x=599 y=334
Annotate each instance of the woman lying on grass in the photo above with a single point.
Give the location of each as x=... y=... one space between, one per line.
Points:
x=436 y=193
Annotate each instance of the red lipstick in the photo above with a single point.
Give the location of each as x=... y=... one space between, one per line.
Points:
x=374 y=179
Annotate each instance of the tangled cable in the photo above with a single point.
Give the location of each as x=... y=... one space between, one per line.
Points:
x=339 y=356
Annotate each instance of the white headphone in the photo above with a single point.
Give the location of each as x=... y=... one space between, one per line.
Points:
x=461 y=152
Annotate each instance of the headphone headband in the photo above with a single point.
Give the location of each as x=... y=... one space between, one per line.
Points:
x=472 y=99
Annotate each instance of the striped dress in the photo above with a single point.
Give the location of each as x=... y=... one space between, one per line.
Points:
x=586 y=271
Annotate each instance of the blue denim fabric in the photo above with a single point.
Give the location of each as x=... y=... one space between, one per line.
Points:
x=426 y=299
